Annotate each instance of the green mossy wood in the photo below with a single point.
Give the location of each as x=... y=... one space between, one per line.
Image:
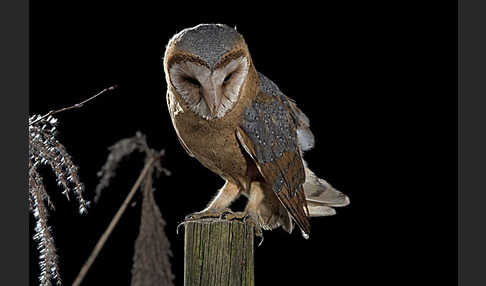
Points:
x=218 y=253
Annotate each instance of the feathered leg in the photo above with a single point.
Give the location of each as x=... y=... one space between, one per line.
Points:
x=250 y=214
x=219 y=205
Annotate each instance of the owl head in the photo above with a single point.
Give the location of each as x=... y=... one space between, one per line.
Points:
x=206 y=66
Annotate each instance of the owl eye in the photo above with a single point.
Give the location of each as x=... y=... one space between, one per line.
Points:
x=227 y=78
x=192 y=81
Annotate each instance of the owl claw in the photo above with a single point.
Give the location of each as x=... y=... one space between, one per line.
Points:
x=253 y=221
x=178 y=226
x=226 y=214
x=208 y=214
x=205 y=214
x=241 y=216
x=250 y=219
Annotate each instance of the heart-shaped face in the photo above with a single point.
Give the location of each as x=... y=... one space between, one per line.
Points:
x=207 y=66
x=209 y=93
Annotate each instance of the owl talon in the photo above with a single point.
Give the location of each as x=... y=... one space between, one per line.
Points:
x=178 y=226
x=241 y=216
x=250 y=219
x=224 y=213
x=253 y=221
x=207 y=214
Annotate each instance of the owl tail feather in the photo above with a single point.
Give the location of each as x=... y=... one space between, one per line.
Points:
x=321 y=197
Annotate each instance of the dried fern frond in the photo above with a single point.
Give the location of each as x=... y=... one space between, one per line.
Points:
x=151 y=265
x=45 y=149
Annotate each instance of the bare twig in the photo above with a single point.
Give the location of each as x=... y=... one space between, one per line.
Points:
x=99 y=245
x=76 y=106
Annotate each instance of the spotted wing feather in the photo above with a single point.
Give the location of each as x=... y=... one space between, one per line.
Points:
x=300 y=121
x=268 y=134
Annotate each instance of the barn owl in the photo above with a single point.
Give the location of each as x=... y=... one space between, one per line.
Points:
x=239 y=125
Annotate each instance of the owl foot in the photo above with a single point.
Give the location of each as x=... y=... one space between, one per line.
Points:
x=215 y=214
x=249 y=218
x=210 y=213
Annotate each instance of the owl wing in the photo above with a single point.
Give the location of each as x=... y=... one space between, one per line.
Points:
x=174 y=108
x=268 y=133
x=300 y=121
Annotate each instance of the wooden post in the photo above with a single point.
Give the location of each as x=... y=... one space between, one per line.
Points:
x=218 y=253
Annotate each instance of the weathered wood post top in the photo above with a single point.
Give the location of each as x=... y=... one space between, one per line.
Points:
x=217 y=253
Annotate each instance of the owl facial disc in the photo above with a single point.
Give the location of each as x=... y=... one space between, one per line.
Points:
x=210 y=93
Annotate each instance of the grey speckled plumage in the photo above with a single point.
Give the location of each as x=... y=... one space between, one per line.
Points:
x=299 y=119
x=269 y=87
x=210 y=42
x=269 y=125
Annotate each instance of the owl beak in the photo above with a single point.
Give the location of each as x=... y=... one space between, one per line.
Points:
x=212 y=95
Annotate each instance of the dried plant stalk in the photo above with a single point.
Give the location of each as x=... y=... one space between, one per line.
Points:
x=101 y=242
x=151 y=265
x=45 y=149
x=43 y=236
x=151 y=260
x=118 y=152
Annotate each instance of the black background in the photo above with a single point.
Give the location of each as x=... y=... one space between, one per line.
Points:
x=378 y=81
